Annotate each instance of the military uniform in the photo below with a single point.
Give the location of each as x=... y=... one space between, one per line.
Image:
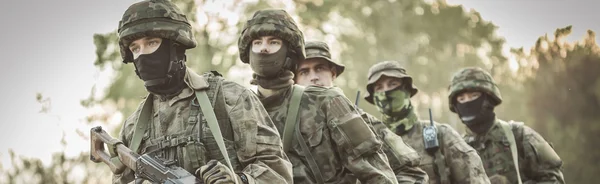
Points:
x=460 y=162
x=178 y=132
x=537 y=160
x=330 y=141
x=338 y=152
x=453 y=161
x=402 y=158
x=171 y=125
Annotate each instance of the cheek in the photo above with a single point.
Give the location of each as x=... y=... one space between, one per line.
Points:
x=302 y=80
x=274 y=48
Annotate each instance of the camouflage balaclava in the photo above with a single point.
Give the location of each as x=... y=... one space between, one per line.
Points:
x=320 y=49
x=394 y=104
x=162 y=71
x=272 y=71
x=478 y=115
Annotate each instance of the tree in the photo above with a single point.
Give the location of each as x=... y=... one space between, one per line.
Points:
x=432 y=40
x=564 y=97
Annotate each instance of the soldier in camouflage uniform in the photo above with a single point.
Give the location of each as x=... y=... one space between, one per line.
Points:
x=320 y=70
x=324 y=137
x=453 y=161
x=473 y=96
x=169 y=124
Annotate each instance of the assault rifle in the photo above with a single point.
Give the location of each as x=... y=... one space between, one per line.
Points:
x=146 y=166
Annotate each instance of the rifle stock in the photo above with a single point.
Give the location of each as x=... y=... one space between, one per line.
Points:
x=145 y=166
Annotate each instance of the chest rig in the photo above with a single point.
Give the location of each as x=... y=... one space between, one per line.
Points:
x=194 y=145
x=497 y=149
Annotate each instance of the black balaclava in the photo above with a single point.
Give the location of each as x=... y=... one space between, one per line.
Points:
x=478 y=114
x=163 y=70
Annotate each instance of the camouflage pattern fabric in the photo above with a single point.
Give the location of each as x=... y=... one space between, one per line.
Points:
x=538 y=162
x=403 y=159
x=473 y=78
x=271 y=22
x=338 y=138
x=462 y=161
x=154 y=18
x=320 y=49
x=255 y=149
x=390 y=69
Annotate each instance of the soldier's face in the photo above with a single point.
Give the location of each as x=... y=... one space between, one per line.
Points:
x=145 y=45
x=467 y=96
x=315 y=71
x=386 y=83
x=266 y=45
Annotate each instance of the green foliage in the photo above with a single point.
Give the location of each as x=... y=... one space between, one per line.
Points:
x=564 y=98
x=432 y=40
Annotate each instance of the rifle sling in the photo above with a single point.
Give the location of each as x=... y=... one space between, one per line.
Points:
x=513 y=146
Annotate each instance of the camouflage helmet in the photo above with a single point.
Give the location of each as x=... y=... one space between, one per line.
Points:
x=390 y=69
x=156 y=18
x=473 y=78
x=319 y=49
x=271 y=22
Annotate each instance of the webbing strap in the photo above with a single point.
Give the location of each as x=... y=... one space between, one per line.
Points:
x=292 y=116
x=141 y=125
x=441 y=167
x=513 y=146
x=211 y=118
x=311 y=160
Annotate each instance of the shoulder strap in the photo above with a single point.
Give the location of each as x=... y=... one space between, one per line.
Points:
x=141 y=125
x=513 y=146
x=440 y=160
x=312 y=164
x=292 y=116
x=211 y=118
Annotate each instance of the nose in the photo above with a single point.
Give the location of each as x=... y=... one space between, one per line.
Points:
x=313 y=77
x=264 y=49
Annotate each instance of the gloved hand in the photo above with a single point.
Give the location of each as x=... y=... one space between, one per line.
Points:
x=215 y=172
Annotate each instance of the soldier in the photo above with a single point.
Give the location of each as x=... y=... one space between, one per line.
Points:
x=445 y=156
x=174 y=122
x=320 y=70
x=473 y=96
x=324 y=137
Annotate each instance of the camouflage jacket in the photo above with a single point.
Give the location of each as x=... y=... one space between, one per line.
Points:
x=462 y=163
x=538 y=162
x=337 y=137
x=403 y=159
x=253 y=142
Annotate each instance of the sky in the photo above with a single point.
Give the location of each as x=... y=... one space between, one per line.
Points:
x=47 y=48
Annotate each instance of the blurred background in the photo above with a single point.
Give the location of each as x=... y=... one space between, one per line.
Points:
x=62 y=73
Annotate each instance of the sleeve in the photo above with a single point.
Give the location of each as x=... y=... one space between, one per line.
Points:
x=464 y=163
x=403 y=159
x=259 y=145
x=356 y=144
x=542 y=164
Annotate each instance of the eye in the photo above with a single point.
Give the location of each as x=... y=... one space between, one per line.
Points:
x=275 y=42
x=460 y=99
x=256 y=42
x=153 y=43
x=134 y=49
x=303 y=72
